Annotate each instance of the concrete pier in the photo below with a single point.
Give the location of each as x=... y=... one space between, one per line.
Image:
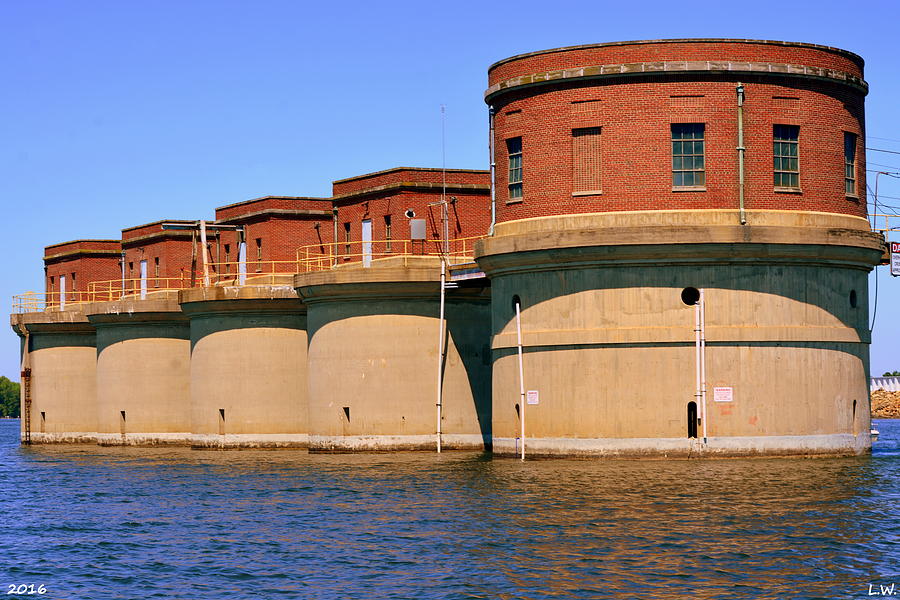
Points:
x=143 y=372
x=62 y=357
x=248 y=381
x=373 y=358
x=610 y=345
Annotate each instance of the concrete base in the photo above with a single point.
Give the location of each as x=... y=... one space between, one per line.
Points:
x=250 y=440
x=144 y=439
x=66 y=437
x=838 y=444
x=387 y=443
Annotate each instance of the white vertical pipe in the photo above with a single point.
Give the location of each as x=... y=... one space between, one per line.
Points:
x=205 y=254
x=440 y=370
x=521 y=377
x=698 y=392
x=702 y=305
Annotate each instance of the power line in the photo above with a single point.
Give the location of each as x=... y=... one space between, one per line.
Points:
x=882 y=150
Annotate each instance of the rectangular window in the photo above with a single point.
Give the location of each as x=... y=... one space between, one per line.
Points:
x=258 y=255
x=74 y=287
x=347 y=238
x=156 y=271
x=586 y=160
x=786 y=154
x=227 y=258
x=387 y=233
x=850 y=163
x=514 y=149
x=688 y=162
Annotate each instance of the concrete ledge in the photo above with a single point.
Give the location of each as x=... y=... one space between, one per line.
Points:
x=66 y=437
x=61 y=321
x=388 y=443
x=144 y=439
x=249 y=299
x=250 y=440
x=837 y=444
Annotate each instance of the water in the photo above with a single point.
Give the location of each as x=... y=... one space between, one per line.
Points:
x=96 y=523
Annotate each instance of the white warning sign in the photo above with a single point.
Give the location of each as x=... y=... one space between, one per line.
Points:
x=895 y=259
x=723 y=394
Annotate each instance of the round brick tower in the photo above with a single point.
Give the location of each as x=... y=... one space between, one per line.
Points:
x=630 y=177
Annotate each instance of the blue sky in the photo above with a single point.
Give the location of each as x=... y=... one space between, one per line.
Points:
x=119 y=113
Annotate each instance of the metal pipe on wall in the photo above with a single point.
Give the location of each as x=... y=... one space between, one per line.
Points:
x=521 y=377
x=493 y=172
x=702 y=305
x=440 y=372
x=740 y=149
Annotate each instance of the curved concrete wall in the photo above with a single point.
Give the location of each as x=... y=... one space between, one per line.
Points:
x=373 y=352
x=248 y=367
x=610 y=345
x=62 y=356
x=143 y=370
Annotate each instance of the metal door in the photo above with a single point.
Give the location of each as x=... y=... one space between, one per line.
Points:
x=367 y=242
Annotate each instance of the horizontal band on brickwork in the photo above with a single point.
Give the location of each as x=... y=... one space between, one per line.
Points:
x=77 y=253
x=674 y=67
x=413 y=186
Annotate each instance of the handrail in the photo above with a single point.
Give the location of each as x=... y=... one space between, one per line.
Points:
x=328 y=255
x=886 y=229
x=310 y=258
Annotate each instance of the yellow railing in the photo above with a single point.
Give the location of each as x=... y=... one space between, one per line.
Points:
x=323 y=257
x=100 y=291
x=315 y=257
x=886 y=224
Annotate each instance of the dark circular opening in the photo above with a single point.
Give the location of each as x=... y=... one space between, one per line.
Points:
x=853 y=298
x=690 y=295
x=515 y=300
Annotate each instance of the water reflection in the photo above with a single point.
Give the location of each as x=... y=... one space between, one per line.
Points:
x=94 y=522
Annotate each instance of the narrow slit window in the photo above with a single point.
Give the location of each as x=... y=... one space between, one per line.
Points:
x=258 y=254
x=786 y=156
x=156 y=270
x=347 y=239
x=586 y=160
x=387 y=233
x=514 y=150
x=850 y=163
x=688 y=155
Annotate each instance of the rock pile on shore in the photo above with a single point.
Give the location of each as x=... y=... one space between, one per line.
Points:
x=885 y=405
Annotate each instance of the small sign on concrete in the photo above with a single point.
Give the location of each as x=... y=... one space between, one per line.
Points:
x=532 y=397
x=723 y=394
x=895 y=259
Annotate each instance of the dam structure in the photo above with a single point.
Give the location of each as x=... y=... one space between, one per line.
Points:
x=667 y=257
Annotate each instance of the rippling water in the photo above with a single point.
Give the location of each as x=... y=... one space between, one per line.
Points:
x=95 y=523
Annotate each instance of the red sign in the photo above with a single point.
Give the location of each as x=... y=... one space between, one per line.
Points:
x=895 y=247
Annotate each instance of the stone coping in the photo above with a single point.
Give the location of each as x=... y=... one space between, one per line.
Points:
x=832 y=49
x=718 y=67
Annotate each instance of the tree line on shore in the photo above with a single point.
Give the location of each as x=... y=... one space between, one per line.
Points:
x=9 y=398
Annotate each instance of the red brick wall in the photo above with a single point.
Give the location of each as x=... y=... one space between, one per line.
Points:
x=281 y=234
x=81 y=265
x=635 y=118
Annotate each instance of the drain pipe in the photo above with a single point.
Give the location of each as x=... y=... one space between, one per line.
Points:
x=740 y=148
x=521 y=375
x=701 y=305
x=493 y=173
x=440 y=371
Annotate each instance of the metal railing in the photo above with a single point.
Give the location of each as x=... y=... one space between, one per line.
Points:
x=324 y=257
x=311 y=258
x=886 y=224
